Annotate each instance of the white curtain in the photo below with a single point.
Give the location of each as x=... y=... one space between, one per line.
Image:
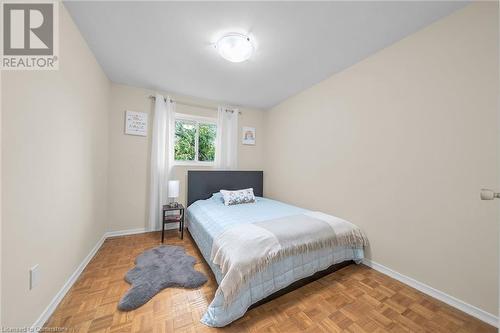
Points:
x=161 y=157
x=227 y=138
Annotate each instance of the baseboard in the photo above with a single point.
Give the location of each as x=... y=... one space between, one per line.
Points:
x=37 y=326
x=443 y=297
x=125 y=232
x=136 y=231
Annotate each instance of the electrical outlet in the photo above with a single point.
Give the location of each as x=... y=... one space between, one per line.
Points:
x=34 y=276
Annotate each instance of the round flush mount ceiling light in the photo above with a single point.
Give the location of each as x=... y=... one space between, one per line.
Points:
x=235 y=47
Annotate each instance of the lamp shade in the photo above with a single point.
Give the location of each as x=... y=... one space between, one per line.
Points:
x=173 y=188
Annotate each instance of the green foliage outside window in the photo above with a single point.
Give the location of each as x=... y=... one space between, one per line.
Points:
x=185 y=137
x=206 y=142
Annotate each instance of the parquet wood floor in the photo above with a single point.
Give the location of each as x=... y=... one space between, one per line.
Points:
x=353 y=299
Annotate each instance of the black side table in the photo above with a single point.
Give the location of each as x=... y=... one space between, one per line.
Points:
x=173 y=219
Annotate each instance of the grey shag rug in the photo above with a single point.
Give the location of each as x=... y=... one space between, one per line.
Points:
x=156 y=269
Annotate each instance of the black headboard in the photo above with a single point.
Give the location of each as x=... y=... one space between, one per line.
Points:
x=201 y=184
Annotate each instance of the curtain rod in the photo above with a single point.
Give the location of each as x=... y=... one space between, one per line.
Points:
x=192 y=104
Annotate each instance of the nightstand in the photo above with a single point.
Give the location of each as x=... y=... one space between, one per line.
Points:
x=177 y=218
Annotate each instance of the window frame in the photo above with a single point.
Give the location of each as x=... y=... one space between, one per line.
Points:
x=197 y=120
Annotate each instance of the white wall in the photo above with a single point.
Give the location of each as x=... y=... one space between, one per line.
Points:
x=1 y=325
x=54 y=167
x=129 y=155
x=400 y=144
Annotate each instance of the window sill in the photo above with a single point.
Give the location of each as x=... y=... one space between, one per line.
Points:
x=193 y=163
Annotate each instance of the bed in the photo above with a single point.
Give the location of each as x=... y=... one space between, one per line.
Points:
x=208 y=217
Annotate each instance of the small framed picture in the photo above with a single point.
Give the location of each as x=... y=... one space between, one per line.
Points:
x=136 y=123
x=248 y=136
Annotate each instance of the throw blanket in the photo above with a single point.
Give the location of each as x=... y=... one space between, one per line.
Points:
x=245 y=249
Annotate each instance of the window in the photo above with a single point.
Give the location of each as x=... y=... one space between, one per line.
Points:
x=195 y=140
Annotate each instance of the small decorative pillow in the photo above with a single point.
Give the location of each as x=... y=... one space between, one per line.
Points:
x=217 y=197
x=238 y=197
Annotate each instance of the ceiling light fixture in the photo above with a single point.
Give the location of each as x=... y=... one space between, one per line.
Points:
x=235 y=47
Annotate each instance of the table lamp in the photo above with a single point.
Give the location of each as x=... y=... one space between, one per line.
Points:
x=173 y=192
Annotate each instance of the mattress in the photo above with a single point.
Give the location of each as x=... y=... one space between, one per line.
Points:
x=206 y=219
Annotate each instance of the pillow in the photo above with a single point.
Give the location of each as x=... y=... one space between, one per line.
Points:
x=217 y=197
x=238 y=197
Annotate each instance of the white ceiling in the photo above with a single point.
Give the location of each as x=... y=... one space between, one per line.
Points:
x=167 y=45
